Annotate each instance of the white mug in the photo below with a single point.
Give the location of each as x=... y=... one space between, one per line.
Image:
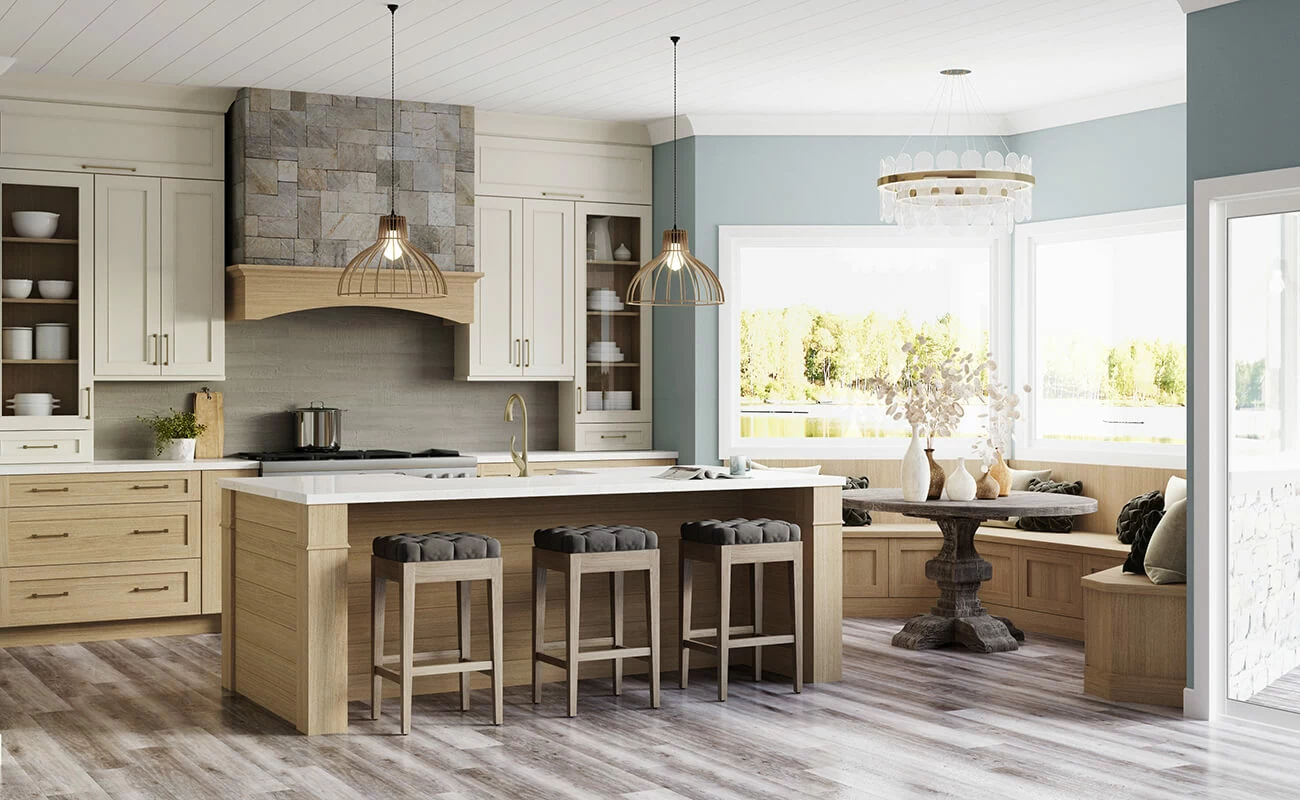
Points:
x=739 y=465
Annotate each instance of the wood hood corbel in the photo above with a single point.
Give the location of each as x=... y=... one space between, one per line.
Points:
x=257 y=291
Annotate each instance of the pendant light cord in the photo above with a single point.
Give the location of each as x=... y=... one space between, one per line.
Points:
x=675 y=39
x=392 y=110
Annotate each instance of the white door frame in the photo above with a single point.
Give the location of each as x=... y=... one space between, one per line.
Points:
x=1206 y=696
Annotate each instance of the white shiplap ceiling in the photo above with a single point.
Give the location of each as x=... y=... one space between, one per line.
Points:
x=611 y=59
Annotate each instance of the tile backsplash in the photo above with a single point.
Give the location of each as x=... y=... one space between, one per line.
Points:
x=391 y=371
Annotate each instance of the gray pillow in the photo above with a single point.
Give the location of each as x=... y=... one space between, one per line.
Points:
x=1020 y=479
x=1166 y=560
x=1050 y=524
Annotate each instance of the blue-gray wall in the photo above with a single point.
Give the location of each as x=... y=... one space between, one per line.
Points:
x=1117 y=164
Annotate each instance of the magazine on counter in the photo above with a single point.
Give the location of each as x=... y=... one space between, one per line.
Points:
x=697 y=474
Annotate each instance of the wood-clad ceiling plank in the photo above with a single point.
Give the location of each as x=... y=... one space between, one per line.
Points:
x=23 y=19
x=210 y=21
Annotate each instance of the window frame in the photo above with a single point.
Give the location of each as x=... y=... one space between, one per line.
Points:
x=1027 y=237
x=732 y=242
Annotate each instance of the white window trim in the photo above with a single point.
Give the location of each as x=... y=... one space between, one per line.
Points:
x=734 y=239
x=1027 y=237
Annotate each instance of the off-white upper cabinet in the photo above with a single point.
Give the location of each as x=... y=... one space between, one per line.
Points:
x=524 y=318
x=159 y=297
x=69 y=137
x=555 y=170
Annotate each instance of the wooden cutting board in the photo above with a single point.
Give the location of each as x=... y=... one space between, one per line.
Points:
x=209 y=412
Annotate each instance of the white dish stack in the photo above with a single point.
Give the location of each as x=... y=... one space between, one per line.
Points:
x=618 y=401
x=32 y=404
x=604 y=353
x=603 y=300
x=595 y=401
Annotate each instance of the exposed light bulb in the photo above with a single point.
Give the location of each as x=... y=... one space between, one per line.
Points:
x=675 y=261
x=393 y=250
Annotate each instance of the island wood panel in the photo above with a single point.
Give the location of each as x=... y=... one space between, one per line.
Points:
x=210 y=524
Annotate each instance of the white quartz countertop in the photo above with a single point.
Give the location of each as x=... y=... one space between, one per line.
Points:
x=554 y=456
x=341 y=489
x=127 y=465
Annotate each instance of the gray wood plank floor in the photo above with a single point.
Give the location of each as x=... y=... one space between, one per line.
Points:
x=146 y=718
x=1282 y=694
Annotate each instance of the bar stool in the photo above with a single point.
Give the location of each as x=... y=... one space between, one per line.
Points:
x=574 y=552
x=410 y=560
x=724 y=544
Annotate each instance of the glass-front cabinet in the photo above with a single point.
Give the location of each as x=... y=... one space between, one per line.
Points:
x=607 y=407
x=47 y=268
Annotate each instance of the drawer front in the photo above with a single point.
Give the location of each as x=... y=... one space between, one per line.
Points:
x=866 y=568
x=614 y=437
x=1048 y=581
x=118 y=487
x=99 y=534
x=91 y=593
x=45 y=447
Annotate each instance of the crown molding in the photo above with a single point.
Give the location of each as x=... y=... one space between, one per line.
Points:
x=1192 y=6
x=1070 y=112
x=526 y=126
x=26 y=86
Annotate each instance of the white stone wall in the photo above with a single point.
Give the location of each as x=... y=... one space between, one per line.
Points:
x=1263 y=588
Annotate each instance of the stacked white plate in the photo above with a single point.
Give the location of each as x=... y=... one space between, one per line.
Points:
x=603 y=300
x=32 y=404
x=595 y=402
x=604 y=352
x=618 y=401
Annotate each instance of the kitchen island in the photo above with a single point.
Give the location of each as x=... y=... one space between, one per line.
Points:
x=296 y=622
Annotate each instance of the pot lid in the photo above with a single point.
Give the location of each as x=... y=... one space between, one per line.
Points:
x=315 y=405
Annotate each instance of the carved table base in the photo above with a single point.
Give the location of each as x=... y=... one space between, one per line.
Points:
x=958 y=616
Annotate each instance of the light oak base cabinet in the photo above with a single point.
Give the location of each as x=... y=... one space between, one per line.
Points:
x=1135 y=639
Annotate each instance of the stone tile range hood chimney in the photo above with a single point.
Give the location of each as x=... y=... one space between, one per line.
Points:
x=307 y=178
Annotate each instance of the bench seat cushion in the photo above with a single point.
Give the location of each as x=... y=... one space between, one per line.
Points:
x=596 y=539
x=740 y=531
x=436 y=547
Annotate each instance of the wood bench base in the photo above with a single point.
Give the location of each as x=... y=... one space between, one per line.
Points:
x=1135 y=639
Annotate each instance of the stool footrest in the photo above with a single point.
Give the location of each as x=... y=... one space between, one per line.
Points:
x=704 y=633
x=432 y=655
x=435 y=669
x=594 y=655
x=736 y=644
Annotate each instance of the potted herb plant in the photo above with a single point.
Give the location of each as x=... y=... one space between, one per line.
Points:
x=174 y=434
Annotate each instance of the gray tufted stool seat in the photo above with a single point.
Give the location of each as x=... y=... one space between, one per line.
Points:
x=596 y=539
x=722 y=544
x=740 y=531
x=436 y=547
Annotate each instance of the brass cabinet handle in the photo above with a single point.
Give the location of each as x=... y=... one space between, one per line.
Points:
x=40 y=447
x=143 y=589
x=579 y=399
x=153 y=348
x=39 y=596
x=167 y=349
x=88 y=412
x=153 y=486
x=514 y=354
x=613 y=436
x=578 y=195
x=63 y=535
x=38 y=490
x=528 y=352
x=107 y=166
x=139 y=532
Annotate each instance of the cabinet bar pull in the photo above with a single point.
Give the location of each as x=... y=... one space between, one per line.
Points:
x=38 y=490
x=88 y=412
x=152 y=486
x=142 y=532
x=564 y=194
x=528 y=352
x=143 y=589
x=39 y=596
x=167 y=349
x=107 y=166
x=579 y=399
x=153 y=348
x=514 y=354
x=40 y=447
x=63 y=535
x=613 y=436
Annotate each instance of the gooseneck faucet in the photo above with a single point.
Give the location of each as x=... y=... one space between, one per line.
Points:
x=520 y=458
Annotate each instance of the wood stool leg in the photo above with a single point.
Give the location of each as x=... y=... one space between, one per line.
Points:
x=756 y=592
x=573 y=627
x=652 y=628
x=684 y=580
x=796 y=614
x=378 y=601
x=496 y=636
x=616 y=625
x=724 y=621
x=539 y=627
x=408 y=649
x=463 y=638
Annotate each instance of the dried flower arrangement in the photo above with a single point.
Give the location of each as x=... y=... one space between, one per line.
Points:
x=1000 y=418
x=933 y=397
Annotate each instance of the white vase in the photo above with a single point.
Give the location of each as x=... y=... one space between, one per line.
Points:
x=179 y=450
x=915 y=477
x=961 y=484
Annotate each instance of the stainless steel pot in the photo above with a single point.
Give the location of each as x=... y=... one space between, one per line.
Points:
x=318 y=428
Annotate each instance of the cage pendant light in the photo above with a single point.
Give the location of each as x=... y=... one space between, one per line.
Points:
x=675 y=277
x=392 y=266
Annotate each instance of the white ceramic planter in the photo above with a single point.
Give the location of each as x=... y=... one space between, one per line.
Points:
x=179 y=450
x=915 y=477
x=961 y=484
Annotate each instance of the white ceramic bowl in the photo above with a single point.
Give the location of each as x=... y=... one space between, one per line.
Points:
x=16 y=287
x=54 y=290
x=32 y=397
x=35 y=224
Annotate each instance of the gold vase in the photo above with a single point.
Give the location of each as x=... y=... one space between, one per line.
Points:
x=1002 y=474
x=987 y=487
x=937 y=476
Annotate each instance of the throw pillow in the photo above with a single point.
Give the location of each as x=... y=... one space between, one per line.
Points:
x=1019 y=483
x=1166 y=560
x=1134 y=513
x=1135 y=564
x=1175 y=490
x=1050 y=524
x=856 y=517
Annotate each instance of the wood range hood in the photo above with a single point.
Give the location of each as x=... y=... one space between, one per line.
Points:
x=258 y=291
